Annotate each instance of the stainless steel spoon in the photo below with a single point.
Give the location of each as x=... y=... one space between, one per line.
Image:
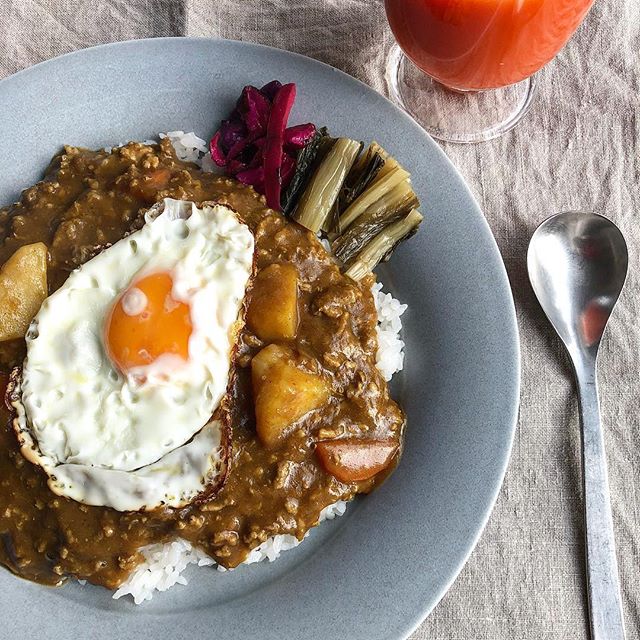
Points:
x=577 y=266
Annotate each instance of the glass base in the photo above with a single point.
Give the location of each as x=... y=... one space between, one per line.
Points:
x=455 y=116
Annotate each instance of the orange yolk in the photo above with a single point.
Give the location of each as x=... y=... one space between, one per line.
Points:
x=147 y=322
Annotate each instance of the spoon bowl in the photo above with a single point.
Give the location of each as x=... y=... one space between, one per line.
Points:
x=577 y=266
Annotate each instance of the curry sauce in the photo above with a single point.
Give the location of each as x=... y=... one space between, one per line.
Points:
x=89 y=200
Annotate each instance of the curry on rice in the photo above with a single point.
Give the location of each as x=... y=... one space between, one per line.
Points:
x=311 y=418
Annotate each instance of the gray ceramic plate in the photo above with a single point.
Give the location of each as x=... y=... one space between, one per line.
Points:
x=380 y=569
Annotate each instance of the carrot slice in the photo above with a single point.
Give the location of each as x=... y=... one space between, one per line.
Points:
x=352 y=460
x=149 y=184
x=280 y=110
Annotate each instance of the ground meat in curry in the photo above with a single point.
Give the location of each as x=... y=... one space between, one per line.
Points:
x=89 y=200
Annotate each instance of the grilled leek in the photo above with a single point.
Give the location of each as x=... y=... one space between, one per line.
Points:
x=323 y=189
x=380 y=248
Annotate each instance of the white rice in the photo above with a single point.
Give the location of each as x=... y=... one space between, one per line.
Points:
x=162 y=568
x=270 y=549
x=390 y=356
x=164 y=563
x=189 y=148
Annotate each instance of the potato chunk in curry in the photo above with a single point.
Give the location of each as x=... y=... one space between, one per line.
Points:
x=273 y=312
x=23 y=288
x=283 y=392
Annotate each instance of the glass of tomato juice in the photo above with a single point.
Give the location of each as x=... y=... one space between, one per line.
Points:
x=463 y=68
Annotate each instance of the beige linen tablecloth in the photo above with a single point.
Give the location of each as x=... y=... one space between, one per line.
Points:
x=577 y=149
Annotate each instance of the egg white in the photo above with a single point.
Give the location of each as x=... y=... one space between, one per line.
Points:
x=139 y=440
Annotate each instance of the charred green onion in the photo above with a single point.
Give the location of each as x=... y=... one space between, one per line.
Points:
x=307 y=161
x=322 y=190
x=377 y=190
x=390 y=163
x=377 y=210
x=381 y=247
x=363 y=173
x=389 y=208
x=364 y=201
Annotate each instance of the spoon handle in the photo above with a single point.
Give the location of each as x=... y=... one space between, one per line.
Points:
x=602 y=568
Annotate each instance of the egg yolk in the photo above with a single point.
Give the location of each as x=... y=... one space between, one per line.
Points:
x=147 y=322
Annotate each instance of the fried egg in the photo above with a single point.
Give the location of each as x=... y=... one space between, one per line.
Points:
x=128 y=361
